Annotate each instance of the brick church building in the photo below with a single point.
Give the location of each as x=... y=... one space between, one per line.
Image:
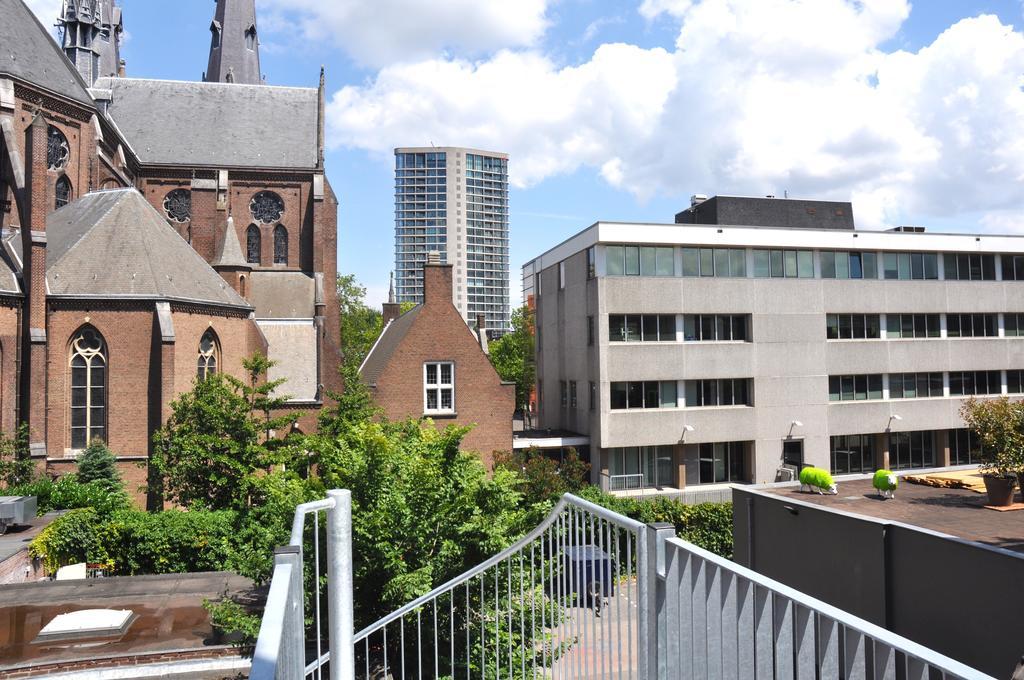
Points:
x=154 y=232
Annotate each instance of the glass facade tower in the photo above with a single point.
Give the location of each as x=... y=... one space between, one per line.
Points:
x=455 y=201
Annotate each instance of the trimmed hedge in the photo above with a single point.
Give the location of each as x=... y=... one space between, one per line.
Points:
x=708 y=525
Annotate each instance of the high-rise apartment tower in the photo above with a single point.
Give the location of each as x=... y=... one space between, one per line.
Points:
x=455 y=201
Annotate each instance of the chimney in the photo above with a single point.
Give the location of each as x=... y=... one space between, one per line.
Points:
x=392 y=310
x=437 y=280
x=481 y=332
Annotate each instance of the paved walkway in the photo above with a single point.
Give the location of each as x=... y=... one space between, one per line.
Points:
x=605 y=646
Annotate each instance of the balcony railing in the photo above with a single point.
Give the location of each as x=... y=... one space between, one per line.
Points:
x=588 y=593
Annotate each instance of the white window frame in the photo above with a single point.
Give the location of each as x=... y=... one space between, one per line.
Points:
x=438 y=387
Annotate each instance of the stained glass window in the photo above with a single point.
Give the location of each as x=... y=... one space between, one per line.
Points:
x=207 y=361
x=57 y=151
x=280 y=245
x=178 y=205
x=62 y=192
x=252 y=244
x=266 y=207
x=88 y=387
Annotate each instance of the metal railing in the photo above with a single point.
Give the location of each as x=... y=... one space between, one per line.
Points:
x=281 y=647
x=627 y=482
x=720 y=620
x=588 y=593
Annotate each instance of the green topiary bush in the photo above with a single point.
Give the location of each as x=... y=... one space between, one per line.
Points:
x=816 y=478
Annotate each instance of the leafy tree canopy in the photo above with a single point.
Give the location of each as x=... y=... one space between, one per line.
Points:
x=512 y=355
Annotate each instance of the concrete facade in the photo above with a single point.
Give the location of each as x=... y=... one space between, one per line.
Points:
x=787 y=358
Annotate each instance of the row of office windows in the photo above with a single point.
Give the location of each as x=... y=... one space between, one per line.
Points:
x=923 y=385
x=649 y=394
x=629 y=260
x=637 y=467
x=908 y=326
x=856 y=453
x=664 y=328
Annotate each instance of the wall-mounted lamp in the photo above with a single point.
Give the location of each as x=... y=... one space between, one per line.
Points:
x=796 y=423
x=686 y=428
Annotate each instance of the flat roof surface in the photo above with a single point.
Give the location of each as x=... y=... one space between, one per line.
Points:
x=169 y=609
x=19 y=536
x=957 y=512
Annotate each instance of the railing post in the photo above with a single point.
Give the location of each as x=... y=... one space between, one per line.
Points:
x=652 y=629
x=662 y=532
x=292 y=661
x=339 y=585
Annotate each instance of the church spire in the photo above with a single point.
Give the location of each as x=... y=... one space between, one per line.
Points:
x=90 y=34
x=234 y=44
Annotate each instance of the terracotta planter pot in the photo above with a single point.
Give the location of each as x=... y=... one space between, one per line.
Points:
x=1000 y=490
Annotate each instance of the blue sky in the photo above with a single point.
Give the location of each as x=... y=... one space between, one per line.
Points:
x=621 y=110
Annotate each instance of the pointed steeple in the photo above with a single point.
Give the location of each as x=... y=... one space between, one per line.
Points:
x=391 y=289
x=234 y=44
x=91 y=32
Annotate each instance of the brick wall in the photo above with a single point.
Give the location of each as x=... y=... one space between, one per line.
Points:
x=440 y=334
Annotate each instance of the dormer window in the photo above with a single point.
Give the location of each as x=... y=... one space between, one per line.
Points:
x=215 y=33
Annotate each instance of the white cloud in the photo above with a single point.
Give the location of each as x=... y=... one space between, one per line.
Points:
x=46 y=10
x=379 y=32
x=758 y=96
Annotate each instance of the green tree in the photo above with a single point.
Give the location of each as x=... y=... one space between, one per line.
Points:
x=221 y=433
x=513 y=358
x=360 y=324
x=999 y=423
x=541 y=477
x=16 y=467
x=99 y=465
x=423 y=511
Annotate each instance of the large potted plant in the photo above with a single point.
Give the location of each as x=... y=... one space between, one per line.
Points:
x=999 y=424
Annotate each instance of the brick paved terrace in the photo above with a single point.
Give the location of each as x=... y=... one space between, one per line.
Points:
x=957 y=512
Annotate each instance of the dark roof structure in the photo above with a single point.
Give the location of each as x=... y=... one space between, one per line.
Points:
x=170 y=122
x=752 y=211
x=38 y=59
x=235 y=46
x=390 y=339
x=113 y=244
x=9 y=265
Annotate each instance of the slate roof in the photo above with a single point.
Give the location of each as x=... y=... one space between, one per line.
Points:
x=388 y=342
x=229 y=251
x=169 y=122
x=9 y=284
x=114 y=244
x=29 y=53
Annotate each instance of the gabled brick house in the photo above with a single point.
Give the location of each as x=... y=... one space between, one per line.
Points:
x=428 y=363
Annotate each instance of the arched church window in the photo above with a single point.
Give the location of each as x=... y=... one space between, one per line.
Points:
x=215 y=35
x=62 y=192
x=57 y=150
x=266 y=207
x=178 y=205
x=252 y=244
x=280 y=245
x=208 y=351
x=250 y=38
x=88 y=364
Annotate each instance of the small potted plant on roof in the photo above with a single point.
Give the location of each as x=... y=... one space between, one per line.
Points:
x=999 y=424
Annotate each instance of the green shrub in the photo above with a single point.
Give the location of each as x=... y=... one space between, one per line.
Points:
x=169 y=542
x=98 y=464
x=71 y=538
x=16 y=466
x=230 y=618
x=707 y=525
x=541 y=477
x=68 y=493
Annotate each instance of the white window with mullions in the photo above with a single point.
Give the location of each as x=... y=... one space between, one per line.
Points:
x=88 y=365
x=439 y=387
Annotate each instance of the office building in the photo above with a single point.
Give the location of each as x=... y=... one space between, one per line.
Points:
x=703 y=353
x=455 y=201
